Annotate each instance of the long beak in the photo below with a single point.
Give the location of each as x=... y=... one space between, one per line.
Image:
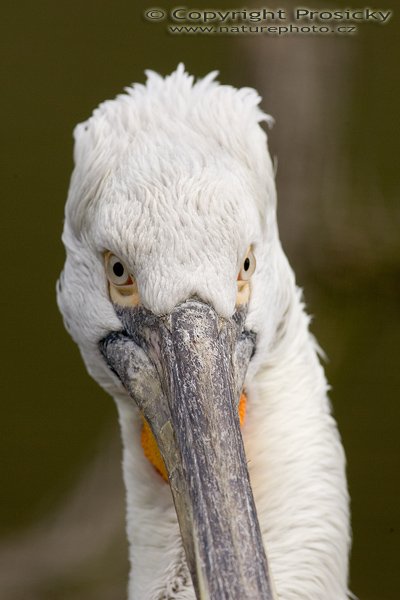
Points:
x=186 y=371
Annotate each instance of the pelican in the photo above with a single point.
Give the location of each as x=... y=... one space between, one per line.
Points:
x=185 y=309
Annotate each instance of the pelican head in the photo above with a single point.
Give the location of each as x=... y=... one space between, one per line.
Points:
x=184 y=307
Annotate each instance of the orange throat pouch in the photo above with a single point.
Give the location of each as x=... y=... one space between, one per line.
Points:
x=150 y=447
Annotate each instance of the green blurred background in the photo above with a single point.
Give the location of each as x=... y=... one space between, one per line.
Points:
x=335 y=100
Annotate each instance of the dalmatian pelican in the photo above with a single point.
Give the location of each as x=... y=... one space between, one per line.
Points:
x=185 y=309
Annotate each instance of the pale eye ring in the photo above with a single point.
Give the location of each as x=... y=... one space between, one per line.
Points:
x=248 y=266
x=117 y=271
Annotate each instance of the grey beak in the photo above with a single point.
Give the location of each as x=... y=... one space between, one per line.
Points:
x=185 y=371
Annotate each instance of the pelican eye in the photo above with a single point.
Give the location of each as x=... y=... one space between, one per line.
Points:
x=244 y=276
x=122 y=285
x=248 y=266
x=117 y=272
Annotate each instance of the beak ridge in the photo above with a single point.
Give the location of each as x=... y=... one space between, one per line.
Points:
x=186 y=372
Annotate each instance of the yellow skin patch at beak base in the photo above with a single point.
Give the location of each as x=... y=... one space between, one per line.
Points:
x=124 y=291
x=150 y=447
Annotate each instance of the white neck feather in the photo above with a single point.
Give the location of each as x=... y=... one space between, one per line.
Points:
x=297 y=470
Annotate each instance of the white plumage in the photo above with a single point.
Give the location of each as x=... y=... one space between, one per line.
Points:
x=175 y=178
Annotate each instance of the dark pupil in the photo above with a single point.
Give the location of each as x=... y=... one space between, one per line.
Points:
x=246 y=264
x=118 y=269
